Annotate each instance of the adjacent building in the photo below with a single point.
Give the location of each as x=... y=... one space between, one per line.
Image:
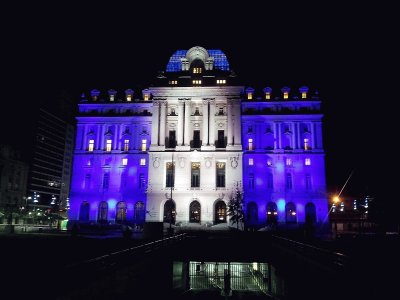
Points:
x=176 y=152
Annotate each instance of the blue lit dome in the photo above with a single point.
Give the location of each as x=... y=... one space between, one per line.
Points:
x=212 y=59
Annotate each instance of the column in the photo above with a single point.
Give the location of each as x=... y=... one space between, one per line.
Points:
x=100 y=138
x=279 y=136
x=299 y=145
x=180 y=122
x=205 y=123
x=237 y=132
x=293 y=130
x=275 y=135
x=162 y=122
x=318 y=135
x=187 y=123
x=115 y=137
x=212 y=123
x=312 y=135
x=84 y=137
x=229 y=124
x=155 y=123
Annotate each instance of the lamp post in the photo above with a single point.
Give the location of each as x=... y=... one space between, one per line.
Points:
x=172 y=187
x=35 y=201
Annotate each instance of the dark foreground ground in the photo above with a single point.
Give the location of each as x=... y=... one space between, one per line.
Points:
x=38 y=266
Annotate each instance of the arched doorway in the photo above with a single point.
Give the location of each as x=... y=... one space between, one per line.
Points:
x=169 y=212
x=311 y=213
x=194 y=212
x=291 y=215
x=272 y=213
x=103 y=212
x=120 y=216
x=84 y=211
x=252 y=214
x=139 y=212
x=220 y=212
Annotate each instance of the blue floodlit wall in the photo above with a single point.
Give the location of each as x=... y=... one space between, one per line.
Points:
x=126 y=183
x=277 y=166
x=220 y=60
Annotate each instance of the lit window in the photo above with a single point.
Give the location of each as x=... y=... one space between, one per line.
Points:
x=112 y=98
x=221 y=81
x=286 y=95
x=288 y=161
x=306 y=144
x=144 y=145
x=91 y=146
x=142 y=161
x=249 y=96
x=307 y=162
x=197 y=81
x=108 y=145
x=197 y=70
x=267 y=96
x=195 y=182
x=269 y=162
x=146 y=97
x=170 y=174
x=220 y=174
x=124 y=161
x=303 y=95
x=251 y=162
x=129 y=98
x=173 y=82
x=126 y=145
x=250 y=144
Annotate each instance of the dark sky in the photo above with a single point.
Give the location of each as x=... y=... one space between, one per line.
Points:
x=58 y=52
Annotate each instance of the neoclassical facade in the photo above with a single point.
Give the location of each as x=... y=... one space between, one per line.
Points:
x=177 y=152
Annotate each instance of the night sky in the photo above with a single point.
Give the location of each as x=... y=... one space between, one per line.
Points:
x=53 y=53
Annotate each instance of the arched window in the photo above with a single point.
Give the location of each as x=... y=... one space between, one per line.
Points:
x=84 y=211
x=311 y=213
x=103 y=212
x=252 y=213
x=220 y=212
x=139 y=212
x=272 y=213
x=120 y=216
x=291 y=214
x=195 y=212
x=169 y=212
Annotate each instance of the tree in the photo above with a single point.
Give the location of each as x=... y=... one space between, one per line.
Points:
x=235 y=206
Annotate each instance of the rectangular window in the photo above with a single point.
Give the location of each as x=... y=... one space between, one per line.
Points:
x=142 y=181
x=197 y=70
x=249 y=96
x=285 y=95
x=173 y=82
x=195 y=182
x=303 y=95
x=306 y=144
x=91 y=146
x=197 y=81
x=307 y=162
x=87 y=181
x=196 y=139
x=221 y=81
x=146 y=97
x=170 y=172
x=106 y=181
x=288 y=161
x=129 y=98
x=123 y=180
x=250 y=144
x=251 y=162
x=126 y=145
x=251 y=181
x=172 y=139
x=144 y=145
x=108 y=145
x=221 y=139
x=142 y=161
x=288 y=181
x=267 y=96
x=124 y=161
x=220 y=174
x=270 y=181
x=308 y=182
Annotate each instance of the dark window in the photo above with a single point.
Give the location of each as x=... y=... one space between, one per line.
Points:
x=270 y=181
x=221 y=139
x=252 y=213
x=308 y=182
x=272 y=213
x=311 y=214
x=84 y=211
x=123 y=180
x=169 y=212
x=220 y=174
x=251 y=181
x=142 y=181
x=195 y=174
x=196 y=139
x=291 y=215
x=170 y=174
x=103 y=212
x=106 y=181
x=172 y=139
x=195 y=212
x=289 y=181
x=139 y=212
x=87 y=181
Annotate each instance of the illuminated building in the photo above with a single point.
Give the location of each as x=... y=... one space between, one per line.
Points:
x=195 y=133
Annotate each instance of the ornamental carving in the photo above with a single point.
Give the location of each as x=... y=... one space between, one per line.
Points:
x=208 y=162
x=234 y=161
x=156 y=161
